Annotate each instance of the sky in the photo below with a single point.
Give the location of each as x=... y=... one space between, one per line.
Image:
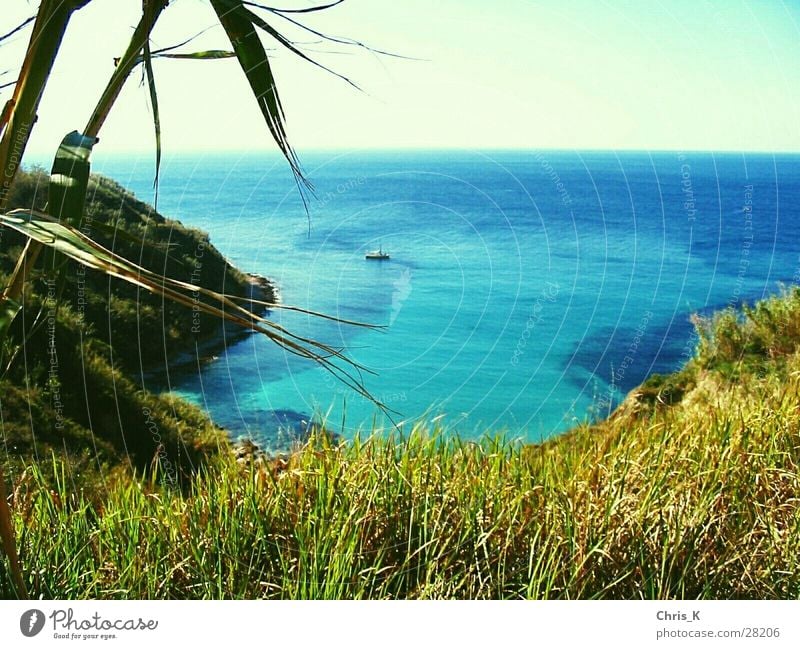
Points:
x=685 y=75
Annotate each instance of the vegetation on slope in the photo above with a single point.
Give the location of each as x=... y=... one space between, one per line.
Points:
x=76 y=386
x=688 y=490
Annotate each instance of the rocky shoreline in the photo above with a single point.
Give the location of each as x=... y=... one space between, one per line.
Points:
x=297 y=428
x=262 y=289
x=205 y=349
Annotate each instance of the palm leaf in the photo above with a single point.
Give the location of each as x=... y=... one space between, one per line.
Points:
x=5 y=115
x=151 y=86
x=69 y=177
x=195 y=56
x=274 y=33
x=66 y=196
x=205 y=55
x=19 y=114
x=235 y=20
x=285 y=14
x=304 y=10
x=71 y=242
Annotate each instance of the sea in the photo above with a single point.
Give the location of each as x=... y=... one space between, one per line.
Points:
x=526 y=291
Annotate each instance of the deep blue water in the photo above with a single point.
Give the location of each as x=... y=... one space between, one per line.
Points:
x=519 y=283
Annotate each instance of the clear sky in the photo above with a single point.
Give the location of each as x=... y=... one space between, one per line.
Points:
x=641 y=74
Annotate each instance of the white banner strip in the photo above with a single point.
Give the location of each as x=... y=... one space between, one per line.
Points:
x=400 y=624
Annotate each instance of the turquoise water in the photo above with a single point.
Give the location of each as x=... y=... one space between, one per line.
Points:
x=525 y=290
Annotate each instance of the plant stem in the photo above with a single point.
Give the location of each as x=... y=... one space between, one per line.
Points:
x=132 y=57
x=48 y=32
x=9 y=542
x=20 y=113
x=30 y=254
x=19 y=117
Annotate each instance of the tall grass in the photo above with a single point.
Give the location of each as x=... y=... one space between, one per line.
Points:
x=700 y=498
x=695 y=503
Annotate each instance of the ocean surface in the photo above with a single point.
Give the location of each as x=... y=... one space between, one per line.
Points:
x=526 y=291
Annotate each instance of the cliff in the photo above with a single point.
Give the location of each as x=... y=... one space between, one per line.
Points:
x=74 y=380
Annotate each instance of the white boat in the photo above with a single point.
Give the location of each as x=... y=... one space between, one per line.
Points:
x=377 y=254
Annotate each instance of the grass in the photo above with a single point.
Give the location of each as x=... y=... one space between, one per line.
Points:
x=695 y=496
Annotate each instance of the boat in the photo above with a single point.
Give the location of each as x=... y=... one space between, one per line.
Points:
x=377 y=254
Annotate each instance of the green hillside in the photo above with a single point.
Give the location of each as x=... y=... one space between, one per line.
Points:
x=73 y=381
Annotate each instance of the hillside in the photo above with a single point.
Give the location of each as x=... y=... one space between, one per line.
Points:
x=76 y=387
x=689 y=490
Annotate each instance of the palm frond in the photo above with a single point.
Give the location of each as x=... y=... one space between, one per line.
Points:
x=19 y=114
x=151 y=86
x=69 y=177
x=204 y=55
x=285 y=14
x=235 y=20
x=71 y=242
x=183 y=42
x=274 y=33
x=303 y=10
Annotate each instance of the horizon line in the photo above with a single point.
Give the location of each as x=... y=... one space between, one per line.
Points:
x=420 y=149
